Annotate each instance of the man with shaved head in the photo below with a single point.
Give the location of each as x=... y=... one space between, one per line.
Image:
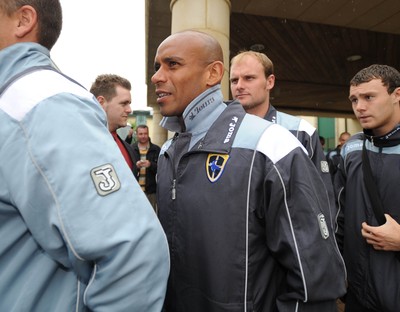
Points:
x=238 y=197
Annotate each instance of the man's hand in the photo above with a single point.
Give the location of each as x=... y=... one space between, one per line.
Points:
x=385 y=237
x=143 y=163
x=130 y=133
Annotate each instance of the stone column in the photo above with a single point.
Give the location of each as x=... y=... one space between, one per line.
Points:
x=209 y=16
x=159 y=134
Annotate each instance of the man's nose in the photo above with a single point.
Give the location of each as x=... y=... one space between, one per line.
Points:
x=158 y=76
x=360 y=105
x=239 y=84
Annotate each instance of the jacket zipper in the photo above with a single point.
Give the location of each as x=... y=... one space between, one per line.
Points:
x=173 y=195
x=199 y=147
x=173 y=190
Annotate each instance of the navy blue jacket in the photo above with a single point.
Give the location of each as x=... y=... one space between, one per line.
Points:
x=373 y=275
x=245 y=214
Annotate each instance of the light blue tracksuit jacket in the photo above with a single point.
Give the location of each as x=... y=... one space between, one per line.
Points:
x=76 y=231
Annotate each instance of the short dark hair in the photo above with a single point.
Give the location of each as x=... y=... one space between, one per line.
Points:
x=49 y=15
x=390 y=76
x=105 y=85
x=142 y=127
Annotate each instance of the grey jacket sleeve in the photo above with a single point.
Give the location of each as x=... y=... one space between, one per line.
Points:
x=299 y=236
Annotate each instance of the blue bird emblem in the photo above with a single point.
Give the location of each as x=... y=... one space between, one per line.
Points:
x=215 y=166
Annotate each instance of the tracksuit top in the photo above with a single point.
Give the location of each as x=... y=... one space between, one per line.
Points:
x=76 y=231
x=244 y=211
x=308 y=136
x=373 y=275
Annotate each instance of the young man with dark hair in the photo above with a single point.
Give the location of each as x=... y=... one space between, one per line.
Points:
x=367 y=186
x=114 y=94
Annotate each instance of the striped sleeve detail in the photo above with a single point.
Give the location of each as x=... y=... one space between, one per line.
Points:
x=28 y=91
x=294 y=123
x=306 y=127
x=249 y=132
x=276 y=142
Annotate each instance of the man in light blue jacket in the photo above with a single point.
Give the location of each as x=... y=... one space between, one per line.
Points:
x=76 y=231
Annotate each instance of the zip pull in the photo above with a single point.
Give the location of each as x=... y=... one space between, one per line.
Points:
x=200 y=144
x=173 y=189
x=175 y=136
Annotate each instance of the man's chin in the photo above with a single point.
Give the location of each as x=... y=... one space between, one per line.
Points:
x=366 y=125
x=247 y=106
x=165 y=112
x=122 y=125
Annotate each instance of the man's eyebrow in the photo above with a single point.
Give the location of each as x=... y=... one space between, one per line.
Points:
x=352 y=96
x=172 y=58
x=362 y=94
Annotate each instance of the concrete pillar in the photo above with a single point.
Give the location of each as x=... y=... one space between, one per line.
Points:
x=311 y=119
x=209 y=16
x=159 y=134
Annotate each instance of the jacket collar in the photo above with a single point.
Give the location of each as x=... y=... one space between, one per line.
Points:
x=222 y=132
x=19 y=57
x=389 y=139
x=271 y=114
x=199 y=114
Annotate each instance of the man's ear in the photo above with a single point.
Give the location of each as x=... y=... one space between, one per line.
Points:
x=396 y=93
x=216 y=72
x=270 y=81
x=27 y=22
x=101 y=100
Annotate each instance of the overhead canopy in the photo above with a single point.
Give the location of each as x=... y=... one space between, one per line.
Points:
x=316 y=45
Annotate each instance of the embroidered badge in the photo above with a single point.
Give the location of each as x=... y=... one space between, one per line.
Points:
x=324 y=166
x=105 y=179
x=215 y=165
x=323 y=226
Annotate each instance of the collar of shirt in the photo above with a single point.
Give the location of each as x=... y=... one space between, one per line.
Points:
x=390 y=139
x=199 y=114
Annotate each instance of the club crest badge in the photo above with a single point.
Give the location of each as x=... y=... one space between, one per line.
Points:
x=323 y=226
x=105 y=179
x=215 y=165
x=324 y=166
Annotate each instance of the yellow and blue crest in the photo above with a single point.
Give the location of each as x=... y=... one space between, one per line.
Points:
x=215 y=165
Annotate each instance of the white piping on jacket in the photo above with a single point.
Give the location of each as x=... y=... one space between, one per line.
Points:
x=293 y=235
x=247 y=230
